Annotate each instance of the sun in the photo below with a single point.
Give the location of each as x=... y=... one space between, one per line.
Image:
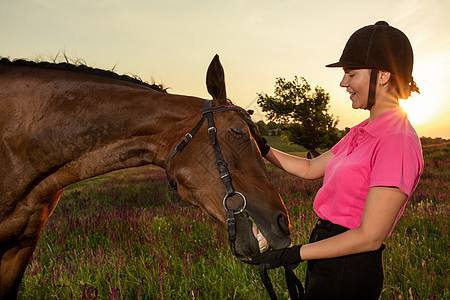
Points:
x=423 y=108
x=418 y=110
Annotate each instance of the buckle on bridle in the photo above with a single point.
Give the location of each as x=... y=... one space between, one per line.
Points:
x=238 y=211
x=187 y=137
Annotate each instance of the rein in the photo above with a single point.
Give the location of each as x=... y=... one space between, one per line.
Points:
x=293 y=283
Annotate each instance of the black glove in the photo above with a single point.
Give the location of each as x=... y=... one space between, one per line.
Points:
x=276 y=258
x=262 y=145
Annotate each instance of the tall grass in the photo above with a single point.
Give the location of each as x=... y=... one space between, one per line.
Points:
x=118 y=237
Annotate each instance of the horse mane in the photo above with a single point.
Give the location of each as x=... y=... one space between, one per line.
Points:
x=81 y=68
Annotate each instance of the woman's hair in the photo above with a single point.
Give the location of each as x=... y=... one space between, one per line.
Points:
x=401 y=87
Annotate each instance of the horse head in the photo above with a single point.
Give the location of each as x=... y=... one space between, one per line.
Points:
x=195 y=171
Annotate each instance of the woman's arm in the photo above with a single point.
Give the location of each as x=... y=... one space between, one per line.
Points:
x=380 y=211
x=301 y=167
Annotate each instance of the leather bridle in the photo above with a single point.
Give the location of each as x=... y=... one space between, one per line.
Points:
x=294 y=285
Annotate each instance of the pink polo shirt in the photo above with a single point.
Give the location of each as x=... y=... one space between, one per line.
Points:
x=384 y=152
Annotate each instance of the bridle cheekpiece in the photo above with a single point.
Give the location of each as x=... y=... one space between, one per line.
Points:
x=294 y=285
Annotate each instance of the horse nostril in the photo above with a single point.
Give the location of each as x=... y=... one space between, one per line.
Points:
x=283 y=222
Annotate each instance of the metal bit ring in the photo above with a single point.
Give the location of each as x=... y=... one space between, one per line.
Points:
x=241 y=209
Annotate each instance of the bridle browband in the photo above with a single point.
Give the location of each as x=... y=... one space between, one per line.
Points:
x=293 y=283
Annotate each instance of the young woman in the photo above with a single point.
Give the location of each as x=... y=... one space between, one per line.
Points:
x=368 y=176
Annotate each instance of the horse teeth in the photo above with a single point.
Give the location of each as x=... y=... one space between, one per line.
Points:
x=262 y=242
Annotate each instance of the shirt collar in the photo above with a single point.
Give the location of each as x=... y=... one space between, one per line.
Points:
x=381 y=123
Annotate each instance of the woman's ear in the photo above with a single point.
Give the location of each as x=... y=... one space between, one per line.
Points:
x=383 y=77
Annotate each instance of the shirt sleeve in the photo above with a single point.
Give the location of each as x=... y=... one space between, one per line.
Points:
x=397 y=162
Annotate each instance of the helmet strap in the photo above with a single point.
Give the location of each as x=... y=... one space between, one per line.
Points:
x=372 y=88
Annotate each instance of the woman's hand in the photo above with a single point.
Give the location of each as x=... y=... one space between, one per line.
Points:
x=277 y=258
x=264 y=148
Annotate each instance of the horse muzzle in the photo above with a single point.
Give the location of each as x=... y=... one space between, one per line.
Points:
x=253 y=238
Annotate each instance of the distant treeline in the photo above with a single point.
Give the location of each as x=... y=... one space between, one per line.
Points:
x=274 y=129
x=432 y=141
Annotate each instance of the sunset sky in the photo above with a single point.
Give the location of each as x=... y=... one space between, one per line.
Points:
x=172 y=42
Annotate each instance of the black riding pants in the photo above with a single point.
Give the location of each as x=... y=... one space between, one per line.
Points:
x=357 y=276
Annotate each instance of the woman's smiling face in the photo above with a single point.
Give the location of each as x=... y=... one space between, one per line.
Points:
x=356 y=83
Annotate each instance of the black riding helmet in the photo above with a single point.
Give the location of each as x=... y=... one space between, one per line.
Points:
x=378 y=47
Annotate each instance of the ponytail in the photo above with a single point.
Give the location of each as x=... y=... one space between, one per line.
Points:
x=403 y=89
x=413 y=87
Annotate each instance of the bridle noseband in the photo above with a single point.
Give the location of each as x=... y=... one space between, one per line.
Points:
x=294 y=285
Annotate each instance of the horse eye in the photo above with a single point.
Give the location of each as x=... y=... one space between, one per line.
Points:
x=239 y=134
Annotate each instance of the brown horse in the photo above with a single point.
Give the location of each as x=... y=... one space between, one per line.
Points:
x=60 y=124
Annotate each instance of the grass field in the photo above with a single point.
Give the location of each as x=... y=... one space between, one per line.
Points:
x=118 y=236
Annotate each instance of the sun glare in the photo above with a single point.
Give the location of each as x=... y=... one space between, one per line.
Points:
x=424 y=108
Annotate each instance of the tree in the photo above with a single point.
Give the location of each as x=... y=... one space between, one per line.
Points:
x=262 y=127
x=303 y=114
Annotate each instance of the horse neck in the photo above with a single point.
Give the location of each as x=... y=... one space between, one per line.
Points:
x=68 y=127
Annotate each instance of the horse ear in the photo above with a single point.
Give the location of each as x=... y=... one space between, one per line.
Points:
x=215 y=82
